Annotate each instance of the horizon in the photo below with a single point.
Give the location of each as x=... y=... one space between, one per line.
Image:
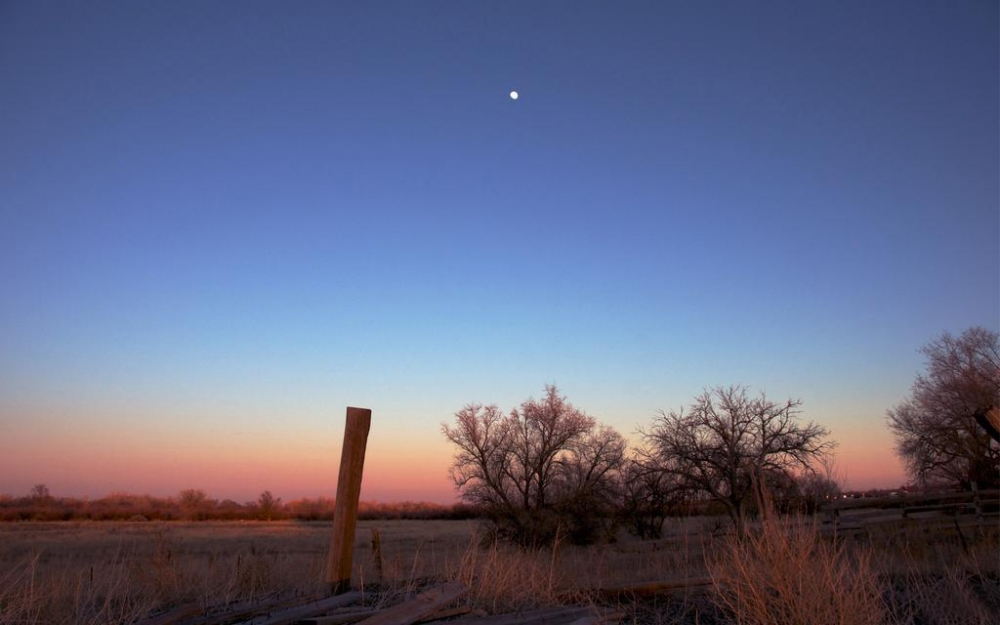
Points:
x=282 y=501
x=223 y=224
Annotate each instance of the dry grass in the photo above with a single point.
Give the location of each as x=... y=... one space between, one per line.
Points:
x=113 y=573
x=942 y=578
x=791 y=573
x=115 y=596
x=788 y=573
x=505 y=578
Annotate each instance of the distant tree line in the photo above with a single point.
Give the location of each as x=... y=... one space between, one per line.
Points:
x=195 y=505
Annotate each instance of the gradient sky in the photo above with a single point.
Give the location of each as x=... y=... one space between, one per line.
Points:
x=221 y=223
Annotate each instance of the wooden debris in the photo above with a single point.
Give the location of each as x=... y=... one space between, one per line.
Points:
x=176 y=615
x=427 y=608
x=421 y=606
x=459 y=610
x=646 y=589
x=561 y=615
x=236 y=612
x=598 y=619
x=339 y=619
x=354 y=617
x=240 y=612
x=299 y=612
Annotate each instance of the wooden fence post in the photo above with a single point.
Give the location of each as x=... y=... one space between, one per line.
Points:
x=345 y=513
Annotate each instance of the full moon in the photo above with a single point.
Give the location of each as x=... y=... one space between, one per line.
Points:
x=513 y=95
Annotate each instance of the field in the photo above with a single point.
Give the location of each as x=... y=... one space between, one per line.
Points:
x=918 y=571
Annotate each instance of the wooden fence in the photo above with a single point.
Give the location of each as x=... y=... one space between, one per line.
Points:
x=980 y=503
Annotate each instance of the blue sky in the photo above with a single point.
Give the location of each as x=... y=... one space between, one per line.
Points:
x=223 y=222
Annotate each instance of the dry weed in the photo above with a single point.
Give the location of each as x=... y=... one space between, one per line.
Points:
x=93 y=581
x=940 y=584
x=74 y=596
x=787 y=574
x=505 y=578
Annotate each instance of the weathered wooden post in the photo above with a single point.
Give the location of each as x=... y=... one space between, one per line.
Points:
x=345 y=513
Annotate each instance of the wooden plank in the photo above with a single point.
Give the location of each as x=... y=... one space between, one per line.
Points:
x=174 y=616
x=598 y=619
x=242 y=611
x=354 y=617
x=459 y=610
x=904 y=501
x=421 y=606
x=561 y=615
x=543 y=616
x=951 y=508
x=646 y=589
x=345 y=512
x=340 y=619
x=294 y=614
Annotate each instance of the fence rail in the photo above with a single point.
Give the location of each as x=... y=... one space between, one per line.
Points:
x=982 y=503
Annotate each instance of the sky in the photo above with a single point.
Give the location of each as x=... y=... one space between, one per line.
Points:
x=222 y=223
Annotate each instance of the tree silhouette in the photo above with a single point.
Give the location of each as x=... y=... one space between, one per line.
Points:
x=728 y=445
x=938 y=429
x=268 y=505
x=527 y=469
x=40 y=492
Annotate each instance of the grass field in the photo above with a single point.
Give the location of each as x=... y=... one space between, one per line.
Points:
x=896 y=572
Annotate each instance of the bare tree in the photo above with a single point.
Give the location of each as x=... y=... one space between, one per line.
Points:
x=727 y=444
x=938 y=429
x=40 y=492
x=815 y=489
x=649 y=495
x=193 y=502
x=522 y=466
x=481 y=467
x=590 y=484
x=268 y=505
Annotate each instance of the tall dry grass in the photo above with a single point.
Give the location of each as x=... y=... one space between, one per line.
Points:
x=939 y=577
x=955 y=596
x=787 y=573
x=120 y=574
x=505 y=578
x=115 y=596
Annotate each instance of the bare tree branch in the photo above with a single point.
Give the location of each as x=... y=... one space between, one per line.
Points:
x=541 y=461
x=727 y=441
x=938 y=433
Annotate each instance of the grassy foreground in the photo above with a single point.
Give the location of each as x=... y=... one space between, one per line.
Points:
x=787 y=572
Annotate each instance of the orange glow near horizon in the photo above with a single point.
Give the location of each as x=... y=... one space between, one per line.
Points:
x=295 y=466
x=161 y=461
x=100 y=451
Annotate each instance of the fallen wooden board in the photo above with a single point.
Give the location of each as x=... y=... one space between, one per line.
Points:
x=294 y=614
x=421 y=606
x=543 y=616
x=354 y=617
x=599 y=619
x=459 y=610
x=174 y=616
x=240 y=612
x=340 y=619
x=645 y=589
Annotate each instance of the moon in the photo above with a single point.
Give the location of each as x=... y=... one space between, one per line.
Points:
x=513 y=95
